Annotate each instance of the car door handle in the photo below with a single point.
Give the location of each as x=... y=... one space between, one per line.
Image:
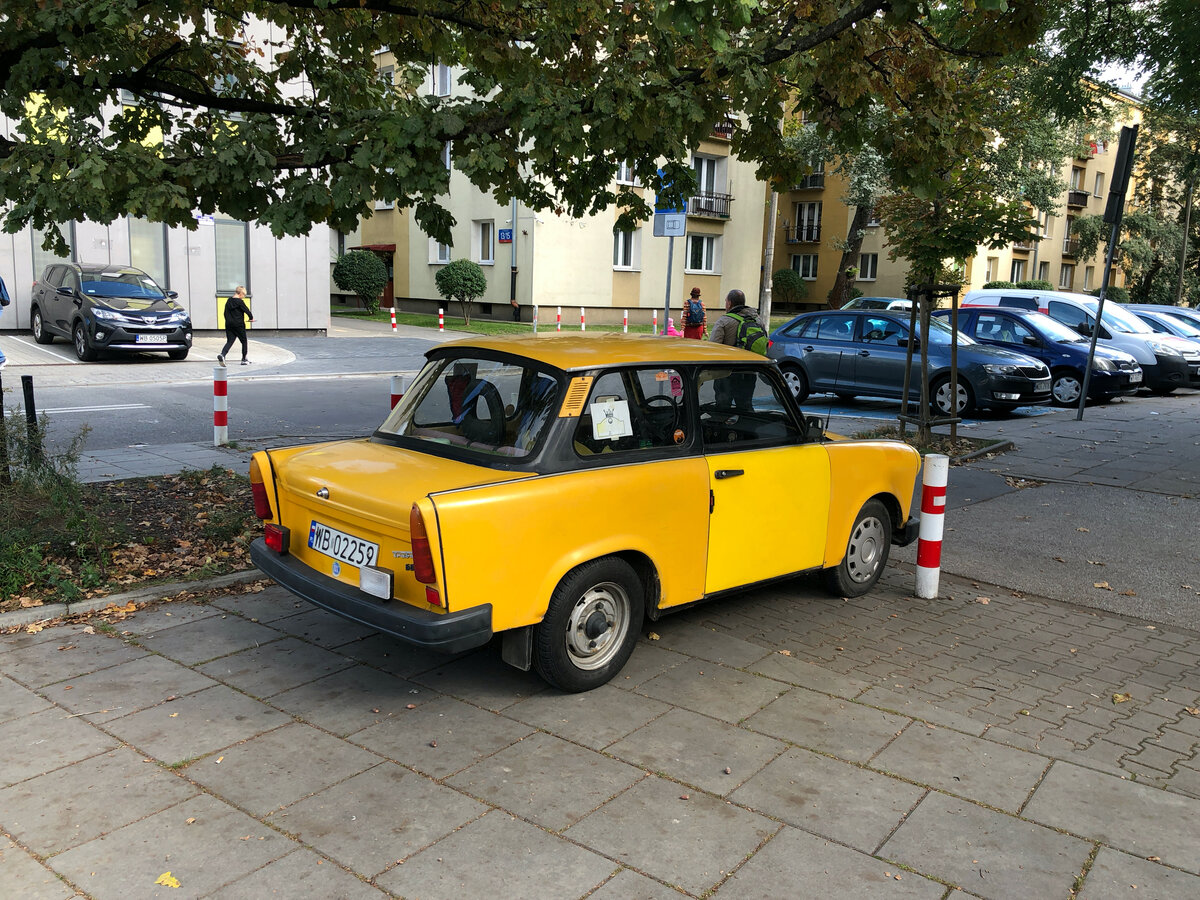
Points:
x=864 y=352
x=808 y=349
x=729 y=473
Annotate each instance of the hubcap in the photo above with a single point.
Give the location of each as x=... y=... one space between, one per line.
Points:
x=793 y=382
x=942 y=398
x=865 y=552
x=1066 y=389
x=80 y=342
x=597 y=625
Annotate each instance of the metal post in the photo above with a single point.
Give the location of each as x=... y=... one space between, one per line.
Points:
x=933 y=517
x=220 y=407
x=1087 y=372
x=670 y=264
x=5 y=472
x=35 y=440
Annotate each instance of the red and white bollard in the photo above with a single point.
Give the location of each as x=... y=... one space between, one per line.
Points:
x=397 y=389
x=933 y=515
x=393 y=320
x=220 y=407
x=656 y=321
x=625 y=321
x=558 y=320
x=535 y=318
x=582 y=320
x=441 y=320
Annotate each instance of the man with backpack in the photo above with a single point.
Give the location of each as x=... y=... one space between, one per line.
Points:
x=739 y=327
x=694 y=316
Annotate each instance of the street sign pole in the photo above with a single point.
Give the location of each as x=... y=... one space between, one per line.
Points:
x=667 y=302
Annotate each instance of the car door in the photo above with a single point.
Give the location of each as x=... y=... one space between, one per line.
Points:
x=47 y=296
x=65 y=300
x=1009 y=332
x=769 y=490
x=827 y=347
x=882 y=357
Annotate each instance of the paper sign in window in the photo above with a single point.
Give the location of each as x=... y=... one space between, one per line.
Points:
x=610 y=419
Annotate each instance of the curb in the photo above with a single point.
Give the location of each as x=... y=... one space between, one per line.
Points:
x=1001 y=447
x=49 y=612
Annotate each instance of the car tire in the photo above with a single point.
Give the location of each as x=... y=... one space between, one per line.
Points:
x=591 y=625
x=84 y=350
x=866 y=553
x=181 y=353
x=1065 y=387
x=38 y=327
x=939 y=396
x=796 y=381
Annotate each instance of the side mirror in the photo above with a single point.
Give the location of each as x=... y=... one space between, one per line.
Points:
x=1084 y=328
x=813 y=429
x=903 y=342
x=66 y=291
x=171 y=295
x=1031 y=341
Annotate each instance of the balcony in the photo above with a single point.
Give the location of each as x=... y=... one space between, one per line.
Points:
x=724 y=130
x=1023 y=246
x=710 y=206
x=1085 y=151
x=1070 y=246
x=1077 y=199
x=802 y=234
x=813 y=182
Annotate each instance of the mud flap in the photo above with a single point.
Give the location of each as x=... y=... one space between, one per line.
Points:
x=516 y=647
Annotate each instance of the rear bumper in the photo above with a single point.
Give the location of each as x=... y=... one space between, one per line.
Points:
x=443 y=632
x=906 y=533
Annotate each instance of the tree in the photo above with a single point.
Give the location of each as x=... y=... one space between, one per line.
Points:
x=461 y=280
x=362 y=273
x=289 y=124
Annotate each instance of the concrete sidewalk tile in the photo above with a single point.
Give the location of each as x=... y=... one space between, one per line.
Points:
x=77 y=653
x=697 y=750
x=826 y=796
x=648 y=661
x=88 y=799
x=519 y=860
x=441 y=736
x=839 y=727
x=300 y=874
x=26 y=878
x=1119 y=876
x=593 y=718
x=349 y=700
x=630 y=885
x=118 y=691
x=546 y=780
x=484 y=679
x=814 y=867
x=691 y=843
x=805 y=674
x=986 y=853
x=318 y=626
x=971 y=767
x=373 y=820
x=218 y=845
x=166 y=615
x=1141 y=820
x=17 y=701
x=209 y=638
x=268 y=605
x=908 y=703
x=275 y=667
x=45 y=741
x=278 y=768
x=384 y=652
x=705 y=642
x=196 y=724
x=712 y=689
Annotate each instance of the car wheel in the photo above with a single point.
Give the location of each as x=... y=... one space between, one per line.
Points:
x=40 y=334
x=181 y=353
x=940 y=396
x=590 y=627
x=1066 y=388
x=866 y=553
x=796 y=382
x=83 y=349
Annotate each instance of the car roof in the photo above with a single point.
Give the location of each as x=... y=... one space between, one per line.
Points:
x=571 y=352
x=100 y=268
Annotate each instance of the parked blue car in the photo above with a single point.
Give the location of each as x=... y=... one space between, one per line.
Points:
x=853 y=352
x=1115 y=373
x=1189 y=314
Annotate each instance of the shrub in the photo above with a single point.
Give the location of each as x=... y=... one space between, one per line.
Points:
x=461 y=280
x=999 y=284
x=364 y=274
x=1036 y=284
x=1114 y=292
x=788 y=286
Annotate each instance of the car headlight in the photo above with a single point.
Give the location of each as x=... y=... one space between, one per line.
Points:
x=1002 y=369
x=1104 y=365
x=1163 y=349
x=177 y=317
x=107 y=314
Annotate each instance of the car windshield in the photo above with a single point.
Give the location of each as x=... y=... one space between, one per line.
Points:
x=1184 y=327
x=126 y=285
x=488 y=406
x=1056 y=331
x=1117 y=319
x=939 y=333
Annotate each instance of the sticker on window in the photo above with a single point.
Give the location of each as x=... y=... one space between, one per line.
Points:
x=610 y=419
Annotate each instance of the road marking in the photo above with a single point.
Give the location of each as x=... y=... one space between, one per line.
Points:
x=88 y=409
x=34 y=345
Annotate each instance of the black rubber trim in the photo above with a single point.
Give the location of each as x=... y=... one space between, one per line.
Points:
x=443 y=632
x=906 y=533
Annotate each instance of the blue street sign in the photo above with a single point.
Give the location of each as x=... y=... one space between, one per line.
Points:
x=505 y=236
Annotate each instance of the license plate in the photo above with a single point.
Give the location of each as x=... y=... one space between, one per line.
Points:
x=151 y=339
x=341 y=546
x=1135 y=378
x=1043 y=385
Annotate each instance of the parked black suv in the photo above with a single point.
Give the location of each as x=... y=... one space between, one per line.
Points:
x=105 y=307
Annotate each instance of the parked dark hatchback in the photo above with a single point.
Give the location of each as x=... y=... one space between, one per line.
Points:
x=106 y=307
x=1114 y=372
x=852 y=352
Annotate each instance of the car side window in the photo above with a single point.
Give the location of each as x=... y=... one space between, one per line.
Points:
x=881 y=329
x=631 y=410
x=70 y=279
x=1019 y=302
x=835 y=327
x=54 y=276
x=1070 y=315
x=743 y=407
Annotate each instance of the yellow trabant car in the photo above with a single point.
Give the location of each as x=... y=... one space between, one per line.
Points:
x=556 y=490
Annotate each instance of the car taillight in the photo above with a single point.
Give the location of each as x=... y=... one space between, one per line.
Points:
x=258 y=490
x=770 y=343
x=277 y=537
x=422 y=557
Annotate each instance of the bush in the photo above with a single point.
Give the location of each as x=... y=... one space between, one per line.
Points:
x=788 y=286
x=461 y=280
x=1114 y=292
x=1036 y=284
x=998 y=284
x=364 y=274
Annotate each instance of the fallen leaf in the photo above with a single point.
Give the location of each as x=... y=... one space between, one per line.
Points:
x=1192 y=710
x=1103 y=585
x=34 y=627
x=168 y=880
x=174 y=715
x=1128 y=593
x=191 y=820
x=785 y=652
x=1122 y=698
x=984 y=600
x=411 y=706
x=1154 y=859
x=684 y=797
x=1059 y=559
x=1081 y=528
x=27 y=602
x=652 y=636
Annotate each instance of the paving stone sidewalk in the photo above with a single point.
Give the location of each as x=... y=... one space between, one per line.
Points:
x=779 y=743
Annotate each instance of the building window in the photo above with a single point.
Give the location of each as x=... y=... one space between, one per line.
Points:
x=446 y=155
x=1065 y=275
x=485 y=235
x=868 y=265
x=806 y=265
x=627 y=250
x=233 y=255
x=387 y=75
x=872 y=218
x=702 y=253
x=989 y=272
x=625 y=174
x=1099 y=184
x=705 y=168
x=442 y=253
x=808 y=221
x=1018 y=270
x=1077 y=176
x=1043 y=224
x=1044 y=271
x=1089 y=275
x=441 y=80
x=43 y=258
x=385 y=204
x=148 y=248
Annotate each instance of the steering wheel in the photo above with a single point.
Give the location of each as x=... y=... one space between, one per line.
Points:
x=662 y=424
x=487 y=429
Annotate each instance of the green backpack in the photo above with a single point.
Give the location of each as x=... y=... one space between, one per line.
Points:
x=751 y=335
